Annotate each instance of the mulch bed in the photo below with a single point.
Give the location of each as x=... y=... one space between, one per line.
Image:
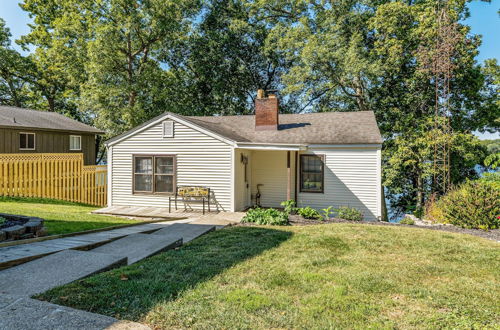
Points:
x=493 y=234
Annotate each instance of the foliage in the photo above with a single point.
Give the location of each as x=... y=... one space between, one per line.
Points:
x=327 y=212
x=349 y=213
x=266 y=217
x=407 y=221
x=474 y=204
x=492 y=178
x=116 y=64
x=289 y=206
x=309 y=213
x=2 y=220
x=313 y=277
x=492 y=161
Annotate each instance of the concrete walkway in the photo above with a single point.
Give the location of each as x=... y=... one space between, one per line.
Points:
x=18 y=312
x=121 y=246
x=17 y=254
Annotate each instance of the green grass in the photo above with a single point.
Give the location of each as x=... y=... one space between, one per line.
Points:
x=60 y=217
x=310 y=277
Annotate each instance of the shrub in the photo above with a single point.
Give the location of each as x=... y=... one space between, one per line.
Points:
x=349 y=213
x=474 y=204
x=266 y=217
x=2 y=220
x=407 y=221
x=309 y=213
x=289 y=206
x=327 y=212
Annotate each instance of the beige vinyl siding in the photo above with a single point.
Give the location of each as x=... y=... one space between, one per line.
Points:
x=201 y=160
x=269 y=169
x=352 y=179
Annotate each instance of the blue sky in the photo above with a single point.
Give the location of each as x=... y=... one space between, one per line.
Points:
x=484 y=20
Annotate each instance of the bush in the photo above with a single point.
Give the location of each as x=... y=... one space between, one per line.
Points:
x=474 y=204
x=309 y=213
x=2 y=220
x=266 y=217
x=407 y=221
x=289 y=206
x=349 y=213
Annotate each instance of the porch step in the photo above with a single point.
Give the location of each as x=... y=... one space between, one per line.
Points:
x=187 y=231
x=139 y=246
x=60 y=268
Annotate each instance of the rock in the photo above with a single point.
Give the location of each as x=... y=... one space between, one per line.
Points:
x=33 y=226
x=26 y=236
x=14 y=232
x=41 y=232
x=3 y=235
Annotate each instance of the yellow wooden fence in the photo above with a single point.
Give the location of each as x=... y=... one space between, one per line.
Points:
x=58 y=176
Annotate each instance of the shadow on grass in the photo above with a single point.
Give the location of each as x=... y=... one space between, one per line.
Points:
x=132 y=291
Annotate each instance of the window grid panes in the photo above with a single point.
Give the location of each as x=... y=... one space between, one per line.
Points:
x=312 y=173
x=159 y=178
x=75 y=142
x=27 y=141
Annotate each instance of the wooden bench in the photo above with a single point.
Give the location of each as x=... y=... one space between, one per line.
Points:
x=190 y=194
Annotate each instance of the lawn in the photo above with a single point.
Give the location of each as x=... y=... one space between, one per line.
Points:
x=322 y=276
x=60 y=217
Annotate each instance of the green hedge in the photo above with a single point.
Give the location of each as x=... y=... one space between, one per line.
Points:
x=474 y=204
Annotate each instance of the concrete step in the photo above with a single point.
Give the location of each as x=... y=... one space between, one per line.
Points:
x=139 y=246
x=187 y=231
x=18 y=312
x=60 y=268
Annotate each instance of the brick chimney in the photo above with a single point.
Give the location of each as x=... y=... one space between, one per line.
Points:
x=266 y=112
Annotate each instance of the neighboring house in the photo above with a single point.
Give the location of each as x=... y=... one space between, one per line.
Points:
x=317 y=159
x=31 y=131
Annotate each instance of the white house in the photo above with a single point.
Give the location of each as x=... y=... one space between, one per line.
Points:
x=317 y=159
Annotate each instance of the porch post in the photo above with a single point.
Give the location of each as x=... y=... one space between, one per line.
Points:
x=289 y=177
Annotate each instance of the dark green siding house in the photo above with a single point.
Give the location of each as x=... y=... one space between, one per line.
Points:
x=31 y=131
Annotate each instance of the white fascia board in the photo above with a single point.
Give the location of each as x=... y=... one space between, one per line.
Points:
x=179 y=120
x=270 y=146
x=368 y=145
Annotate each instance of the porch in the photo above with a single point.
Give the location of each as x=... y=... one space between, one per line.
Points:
x=265 y=175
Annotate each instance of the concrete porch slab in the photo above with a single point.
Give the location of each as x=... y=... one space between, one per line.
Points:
x=60 y=268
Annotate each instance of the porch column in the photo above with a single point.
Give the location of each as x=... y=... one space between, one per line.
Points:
x=289 y=177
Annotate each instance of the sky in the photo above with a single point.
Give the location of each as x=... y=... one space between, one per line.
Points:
x=484 y=20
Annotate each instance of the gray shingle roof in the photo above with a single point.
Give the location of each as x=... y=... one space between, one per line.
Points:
x=14 y=117
x=358 y=127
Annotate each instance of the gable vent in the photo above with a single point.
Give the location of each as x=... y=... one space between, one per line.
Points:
x=168 y=128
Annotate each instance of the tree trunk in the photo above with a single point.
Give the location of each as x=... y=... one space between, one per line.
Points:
x=420 y=191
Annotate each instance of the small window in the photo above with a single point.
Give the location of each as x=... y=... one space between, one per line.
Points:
x=27 y=141
x=168 y=128
x=75 y=142
x=312 y=171
x=154 y=174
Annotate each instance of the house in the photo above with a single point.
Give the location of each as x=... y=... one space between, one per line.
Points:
x=31 y=131
x=317 y=159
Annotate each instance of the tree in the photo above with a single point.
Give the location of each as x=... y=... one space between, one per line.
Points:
x=13 y=67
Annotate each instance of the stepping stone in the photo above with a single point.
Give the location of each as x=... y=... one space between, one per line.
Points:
x=187 y=231
x=60 y=268
x=139 y=246
x=17 y=312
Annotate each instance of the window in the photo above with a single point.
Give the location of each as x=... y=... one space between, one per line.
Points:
x=168 y=128
x=27 y=141
x=312 y=172
x=154 y=174
x=75 y=142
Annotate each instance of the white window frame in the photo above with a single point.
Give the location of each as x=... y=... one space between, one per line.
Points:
x=171 y=135
x=76 y=136
x=34 y=140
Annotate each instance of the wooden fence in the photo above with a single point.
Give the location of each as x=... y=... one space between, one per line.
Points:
x=58 y=176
